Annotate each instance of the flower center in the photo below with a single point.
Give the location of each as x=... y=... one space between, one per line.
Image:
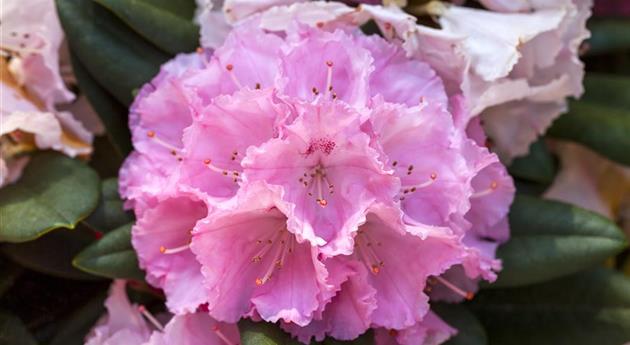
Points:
x=364 y=247
x=175 y=151
x=409 y=188
x=315 y=180
x=279 y=245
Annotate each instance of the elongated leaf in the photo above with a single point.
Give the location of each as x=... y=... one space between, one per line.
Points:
x=601 y=128
x=263 y=333
x=469 y=329
x=607 y=89
x=552 y=239
x=13 y=331
x=54 y=192
x=109 y=213
x=74 y=328
x=52 y=254
x=608 y=36
x=538 y=166
x=118 y=58
x=585 y=309
x=111 y=112
x=112 y=256
x=167 y=30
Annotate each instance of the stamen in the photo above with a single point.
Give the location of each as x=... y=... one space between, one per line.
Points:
x=277 y=261
x=172 y=149
x=234 y=175
x=369 y=256
x=493 y=186
x=175 y=250
x=329 y=87
x=410 y=189
x=150 y=317
x=468 y=295
x=318 y=177
x=221 y=336
x=230 y=68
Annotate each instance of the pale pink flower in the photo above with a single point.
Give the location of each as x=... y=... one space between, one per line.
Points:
x=131 y=324
x=32 y=36
x=123 y=324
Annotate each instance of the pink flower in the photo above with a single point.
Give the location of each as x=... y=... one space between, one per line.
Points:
x=252 y=261
x=335 y=175
x=130 y=324
x=123 y=324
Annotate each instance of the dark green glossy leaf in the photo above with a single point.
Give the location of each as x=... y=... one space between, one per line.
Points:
x=164 y=28
x=54 y=192
x=263 y=333
x=112 y=256
x=551 y=239
x=111 y=112
x=13 y=331
x=469 y=329
x=604 y=129
x=608 y=36
x=607 y=89
x=74 y=328
x=52 y=254
x=119 y=59
x=109 y=213
x=538 y=166
x=588 y=308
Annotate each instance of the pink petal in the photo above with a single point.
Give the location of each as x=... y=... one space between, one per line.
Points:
x=161 y=238
x=240 y=250
x=196 y=329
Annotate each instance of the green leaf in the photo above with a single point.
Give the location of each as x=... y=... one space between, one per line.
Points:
x=112 y=256
x=164 y=28
x=52 y=254
x=588 y=308
x=118 y=58
x=607 y=89
x=604 y=129
x=470 y=330
x=109 y=213
x=54 y=192
x=13 y=331
x=111 y=112
x=608 y=36
x=74 y=328
x=538 y=166
x=263 y=333
x=551 y=239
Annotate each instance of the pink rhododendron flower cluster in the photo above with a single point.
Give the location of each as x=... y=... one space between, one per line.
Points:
x=314 y=176
x=131 y=324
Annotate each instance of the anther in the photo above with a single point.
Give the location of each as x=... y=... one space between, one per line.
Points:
x=229 y=67
x=150 y=134
x=493 y=186
x=258 y=86
x=329 y=64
